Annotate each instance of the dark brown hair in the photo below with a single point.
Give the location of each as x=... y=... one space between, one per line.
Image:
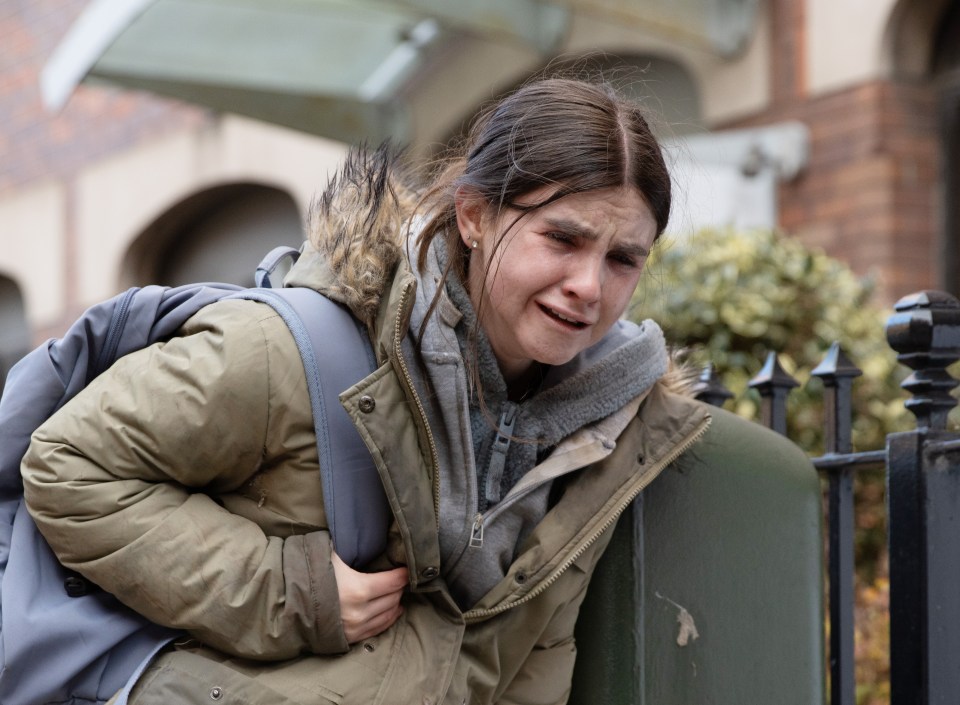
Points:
x=571 y=134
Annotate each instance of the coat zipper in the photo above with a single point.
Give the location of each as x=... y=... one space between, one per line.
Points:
x=483 y=518
x=476 y=533
x=498 y=455
x=517 y=493
x=494 y=474
x=408 y=380
x=678 y=450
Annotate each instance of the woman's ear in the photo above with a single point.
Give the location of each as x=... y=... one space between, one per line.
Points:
x=471 y=208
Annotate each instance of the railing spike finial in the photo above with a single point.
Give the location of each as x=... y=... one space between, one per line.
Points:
x=925 y=331
x=772 y=376
x=837 y=372
x=774 y=384
x=709 y=388
x=835 y=364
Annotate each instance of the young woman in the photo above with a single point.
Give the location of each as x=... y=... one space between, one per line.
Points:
x=513 y=417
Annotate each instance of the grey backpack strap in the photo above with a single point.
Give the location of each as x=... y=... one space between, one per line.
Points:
x=336 y=354
x=276 y=257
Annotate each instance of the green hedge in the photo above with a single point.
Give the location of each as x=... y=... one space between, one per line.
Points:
x=729 y=297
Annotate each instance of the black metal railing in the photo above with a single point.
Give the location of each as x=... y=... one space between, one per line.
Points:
x=923 y=501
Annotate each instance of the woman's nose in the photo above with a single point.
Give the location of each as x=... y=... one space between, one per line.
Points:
x=584 y=279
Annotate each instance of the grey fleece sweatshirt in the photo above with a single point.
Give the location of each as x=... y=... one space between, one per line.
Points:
x=483 y=455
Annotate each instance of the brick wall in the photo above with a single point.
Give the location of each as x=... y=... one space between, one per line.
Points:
x=96 y=121
x=787 y=20
x=869 y=194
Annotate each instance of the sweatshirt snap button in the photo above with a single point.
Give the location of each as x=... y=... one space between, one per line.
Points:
x=429 y=573
x=367 y=403
x=216 y=693
x=520 y=578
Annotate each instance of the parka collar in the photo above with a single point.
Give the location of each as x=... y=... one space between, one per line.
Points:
x=357 y=232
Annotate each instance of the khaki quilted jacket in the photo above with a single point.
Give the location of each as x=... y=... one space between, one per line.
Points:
x=185 y=480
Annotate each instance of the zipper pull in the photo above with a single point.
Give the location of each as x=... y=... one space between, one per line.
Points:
x=498 y=453
x=476 y=536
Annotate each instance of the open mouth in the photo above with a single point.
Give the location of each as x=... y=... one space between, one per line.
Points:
x=557 y=316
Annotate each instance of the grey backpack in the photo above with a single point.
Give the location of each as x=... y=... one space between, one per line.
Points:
x=67 y=642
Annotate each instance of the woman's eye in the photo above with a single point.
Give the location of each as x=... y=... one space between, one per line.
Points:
x=626 y=260
x=560 y=237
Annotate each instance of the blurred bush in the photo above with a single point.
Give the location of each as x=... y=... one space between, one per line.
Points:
x=729 y=297
x=872 y=643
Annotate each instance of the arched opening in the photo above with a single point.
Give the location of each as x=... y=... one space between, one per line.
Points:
x=663 y=85
x=946 y=72
x=666 y=87
x=911 y=32
x=219 y=234
x=14 y=332
x=922 y=43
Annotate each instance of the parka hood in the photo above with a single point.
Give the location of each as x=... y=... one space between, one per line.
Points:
x=356 y=231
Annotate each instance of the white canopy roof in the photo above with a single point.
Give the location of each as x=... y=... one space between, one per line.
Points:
x=344 y=69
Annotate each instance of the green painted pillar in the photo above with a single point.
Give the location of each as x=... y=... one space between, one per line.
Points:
x=711 y=591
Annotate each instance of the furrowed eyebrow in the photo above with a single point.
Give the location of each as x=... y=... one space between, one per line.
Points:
x=571 y=227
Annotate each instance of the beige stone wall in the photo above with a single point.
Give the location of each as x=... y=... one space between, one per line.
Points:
x=119 y=197
x=844 y=43
x=32 y=228
x=64 y=240
x=76 y=188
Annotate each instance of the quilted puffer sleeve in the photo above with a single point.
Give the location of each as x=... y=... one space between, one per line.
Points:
x=125 y=483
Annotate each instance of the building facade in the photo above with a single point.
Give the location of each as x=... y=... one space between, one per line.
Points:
x=835 y=120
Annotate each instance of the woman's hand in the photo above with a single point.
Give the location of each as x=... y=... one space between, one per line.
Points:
x=369 y=602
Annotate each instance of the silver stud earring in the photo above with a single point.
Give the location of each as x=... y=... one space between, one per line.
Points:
x=474 y=245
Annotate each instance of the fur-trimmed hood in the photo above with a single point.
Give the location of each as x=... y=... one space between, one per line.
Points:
x=357 y=230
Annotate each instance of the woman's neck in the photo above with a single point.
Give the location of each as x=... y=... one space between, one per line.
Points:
x=524 y=385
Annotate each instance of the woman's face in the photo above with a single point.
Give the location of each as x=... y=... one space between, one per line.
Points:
x=562 y=275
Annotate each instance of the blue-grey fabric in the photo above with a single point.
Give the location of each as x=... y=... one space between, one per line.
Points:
x=336 y=354
x=55 y=648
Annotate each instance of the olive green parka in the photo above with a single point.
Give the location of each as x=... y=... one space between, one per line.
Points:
x=185 y=481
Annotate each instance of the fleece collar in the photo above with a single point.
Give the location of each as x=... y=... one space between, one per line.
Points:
x=595 y=384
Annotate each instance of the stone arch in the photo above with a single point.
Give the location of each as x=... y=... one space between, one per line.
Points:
x=945 y=68
x=218 y=234
x=922 y=45
x=14 y=331
x=911 y=36
x=667 y=87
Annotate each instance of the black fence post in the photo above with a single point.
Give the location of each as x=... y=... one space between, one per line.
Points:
x=774 y=384
x=923 y=500
x=837 y=373
x=709 y=388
